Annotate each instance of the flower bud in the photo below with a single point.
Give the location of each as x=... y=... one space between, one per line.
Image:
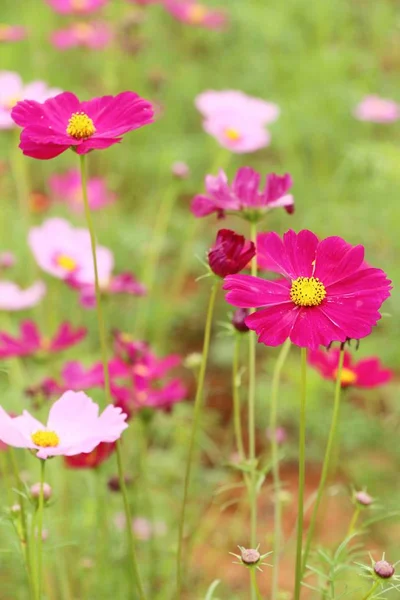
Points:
x=193 y=360
x=363 y=498
x=180 y=170
x=7 y=260
x=280 y=435
x=15 y=510
x=238 y=320
x=114 y=485
x=35 y=491
x=250 y=556
x=230 y=254
x=383 y=569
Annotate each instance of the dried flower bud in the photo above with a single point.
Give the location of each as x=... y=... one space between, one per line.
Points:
x=363 y=498
x=238 y=320
x=35 y=491
x=180 y=170
x=250 y=556
x=383 y=569
x=114 y=485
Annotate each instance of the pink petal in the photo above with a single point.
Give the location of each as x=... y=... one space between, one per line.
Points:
x=273 y=324
x=313 y=328
x=247 y=291
x=335 y=260
x=300 y=250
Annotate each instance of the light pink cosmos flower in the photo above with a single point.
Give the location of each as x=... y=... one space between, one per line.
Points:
x=95 y=35
x=377 y=110
x=12 y=90
x=31 y=342
x=67 y=187
x=64 y=251
x=12 y=33
x=123 y=283
x=13 y=298
x=63 y=122
x=212 y=103
x=194 y=13
x=74 y=426
x=81 y=7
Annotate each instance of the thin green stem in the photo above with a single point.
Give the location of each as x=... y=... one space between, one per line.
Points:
x=327 y=460
x=372 y=590
x=103 y=344
x=284 y=351
x=198 y=403
x=236 y=399
x=39 y=558
x=302 y=471
x=254 y=584
x=353 y=521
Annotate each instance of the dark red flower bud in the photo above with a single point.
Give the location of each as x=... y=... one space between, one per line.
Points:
x=384 y=569
x=114 y=485
x=230 y=254
x=238 y=319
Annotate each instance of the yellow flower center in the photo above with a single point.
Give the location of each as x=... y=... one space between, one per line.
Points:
x=141 y=370
x=66 y=262
x=307 y=291
x=126 y=337
x=83 y=31
x=196 y=13
x=78 y=4
x=45 y=439
x=4 y=31
x=45 y=343
x=348 y=376
x=232 y=134
x=80 y=126
x=141 y=396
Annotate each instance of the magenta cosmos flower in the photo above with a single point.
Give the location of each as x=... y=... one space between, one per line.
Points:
x=243 y=195
x=123 y=283
x=365 y=373
x=64 y=122
x=230 y=254
x=12 y=33
x=95 y=35
x=67 y=188
x=194 y=13
x=32 y=342
x=377 y=110
x=327 y=293
x=12 y=90
x=74 y=426
x=13 y=298
x=81 y=7
x=64 y=251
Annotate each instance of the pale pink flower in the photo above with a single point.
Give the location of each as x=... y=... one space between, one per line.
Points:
x=196 y=14
x=81 y=7
x=212 y=103
x=95 y=35
x=64 y=251
x=377 y=110
x=7 y=259
x=14 y=298
x=12 y=90
x=12 y=33
x=74 y=426
x=67 y=188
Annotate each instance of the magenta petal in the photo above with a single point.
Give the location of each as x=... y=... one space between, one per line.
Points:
x=370 y=373
x=273 y=324
x=336 y=260
x=247 y=291
x=96 y=143
x=27 y=112
x=40 y=151
x=300 y=251
x=355 y=317
x=366 y=282
x=201 y=206
x=272 y=248
x=313 y=328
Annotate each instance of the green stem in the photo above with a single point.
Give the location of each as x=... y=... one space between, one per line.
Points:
x=372 y=590
x=254 y=584
x=284 y=351
x=198 y=403
x=103 y=344
x=353 y=521
x=39 y=533
x=302 y=470
x=327 y=459
x=236 y=399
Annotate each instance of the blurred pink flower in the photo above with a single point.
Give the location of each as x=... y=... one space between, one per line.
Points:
x=64 y=251
x=280 y=435
x=81 y=7
x=31 y=342
x=12 y=33
x=127 y=348
x=194 y=13
x=7 y=259
x=67 y=187
x=212 y=103
x=377 y=110
x=13 y=298
x=77 y=377
x=74 y=426
x=95 y=35
x=123 y=283
x=12 y=90
x=145 y=530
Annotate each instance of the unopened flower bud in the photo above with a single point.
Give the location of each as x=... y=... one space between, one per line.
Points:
x=230 y=254
x=363 y=498
x=7 y=260
x=35 y=491
x=15 y=509
x=238 y=320
x=250 y=556
x=193 y=360
x=383 y=569
x=114 y=485
x=180 y=170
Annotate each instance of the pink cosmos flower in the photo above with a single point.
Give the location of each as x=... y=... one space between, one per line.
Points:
x=230 y=254
x=31 y=342
x=74 y=426
x=129 y=349
x=95 y=35
x=377 y=110
x=327 y=292
x=243 y=195
x=124 y=283
x=365 y=373
x=7 y=259
x=77 y=377
x=64 y=122
x=67 y=7
x=64 y=251
x=212 y=103
x=194 y=13
x=145 y=396
x=13 y=298
x=12 y=90
x=12 y=33
x=67 y=187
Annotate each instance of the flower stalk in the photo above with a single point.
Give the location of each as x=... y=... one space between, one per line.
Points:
x=302 y=468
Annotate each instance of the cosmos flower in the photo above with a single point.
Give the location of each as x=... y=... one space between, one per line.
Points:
x=95 y=35
x=77 y=377
x=127 y=348
x=365 y=373
x=74 y=426
x=327 y=293
x=12 y=33
x=212 y=103
x=64 y=122
x=141 y=394
x=123 y=283
x=64 y=251
x=90 y=460
x=7 y=259
x=31 y=342
x=81 y=7
x=377 y=110
x=67 y=188
x=12 y=90
x=230 y=254
x=13 y=298
x=243 y=195
x=193 y=13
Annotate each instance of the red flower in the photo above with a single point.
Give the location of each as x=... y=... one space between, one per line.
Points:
x=31 y=342
x=92 y=459
x=230 y=254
